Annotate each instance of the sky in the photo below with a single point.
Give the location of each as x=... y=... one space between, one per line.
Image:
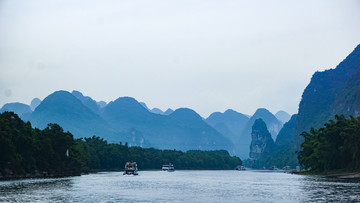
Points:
x=201 y=54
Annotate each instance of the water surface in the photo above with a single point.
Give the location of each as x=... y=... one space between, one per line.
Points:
x=182 y=186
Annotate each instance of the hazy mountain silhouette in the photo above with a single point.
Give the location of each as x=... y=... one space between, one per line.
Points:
x=87 y=101
x=200 y=132
x=181 y=130
x=230 y=123
x=331 y=92
x=101 y=104
x=23 y=110
x=273 y=124
x=34 y=103
x=157 y=111
x=261 y=141
x=283 y=116
x=283 y=152
x=125 y=113
x=168 y=112
x=65 y=109
x=126 y=120
x=144 y=105
x=286 y=134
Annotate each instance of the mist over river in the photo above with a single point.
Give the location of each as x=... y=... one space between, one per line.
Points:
x=183 y=186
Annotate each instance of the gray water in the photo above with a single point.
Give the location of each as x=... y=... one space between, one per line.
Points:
x=182 y=186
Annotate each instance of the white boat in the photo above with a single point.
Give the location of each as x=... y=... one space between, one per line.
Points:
x=130 y=168
x=168 y=167
x=240 y=168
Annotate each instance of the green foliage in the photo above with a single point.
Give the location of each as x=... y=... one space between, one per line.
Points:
x=26 y=150
x=99 y=155
x=333 y=147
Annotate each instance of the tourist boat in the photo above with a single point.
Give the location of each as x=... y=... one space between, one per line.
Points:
x=240 y=168
x=286 y=168
x=130 y=168
x=168 y=167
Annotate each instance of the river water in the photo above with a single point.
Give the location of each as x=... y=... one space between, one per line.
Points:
x=182 y=186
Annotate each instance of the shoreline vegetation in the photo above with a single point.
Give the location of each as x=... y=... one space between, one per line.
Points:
x=333 y=150
x=26 y=152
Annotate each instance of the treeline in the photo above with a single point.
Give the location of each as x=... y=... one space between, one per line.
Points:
x=98 y=154
x=33 y=152
x=336 y=146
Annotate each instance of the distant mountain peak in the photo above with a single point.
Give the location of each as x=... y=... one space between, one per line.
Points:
x=261 y=141
x=283 y=116
x=230 y=111
x=34 y=103
x=77 y=94
x=186 y=113
x=262 y=111
x=168 y=112
x=101 y=104
x=129 y=100
x=87 y=101
x=144 y=105
x=64 y=108
x=128 y=103
x=157 y=111
x=327 y=93
x=16 y=107
x=58 y=97
x=273 y=125
x=124 y=108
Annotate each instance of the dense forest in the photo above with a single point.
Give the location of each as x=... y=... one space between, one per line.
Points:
x=336 y=146
x=25 y=151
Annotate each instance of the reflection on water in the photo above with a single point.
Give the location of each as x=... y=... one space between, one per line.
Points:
x=35 y=190
x=183 y=186
x=323 y=189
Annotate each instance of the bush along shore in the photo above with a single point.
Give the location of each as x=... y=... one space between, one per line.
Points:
x=26 y=152
x=333 y=150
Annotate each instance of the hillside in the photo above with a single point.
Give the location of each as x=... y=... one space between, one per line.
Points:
x=286 y=134
x=331 y=92
x=234 y=122
x=261 y=141
x=283 y=116
x=183 y=129
x=87 y=101
x=23 y=110
x=63 y=108
x=126 y=120
x=35 y=103
x=273 y=126
x=334 y=91
x=230 y=124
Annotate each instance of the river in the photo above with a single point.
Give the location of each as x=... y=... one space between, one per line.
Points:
x=182 y=186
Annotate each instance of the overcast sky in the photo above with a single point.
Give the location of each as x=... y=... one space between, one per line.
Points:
x=205 y=55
